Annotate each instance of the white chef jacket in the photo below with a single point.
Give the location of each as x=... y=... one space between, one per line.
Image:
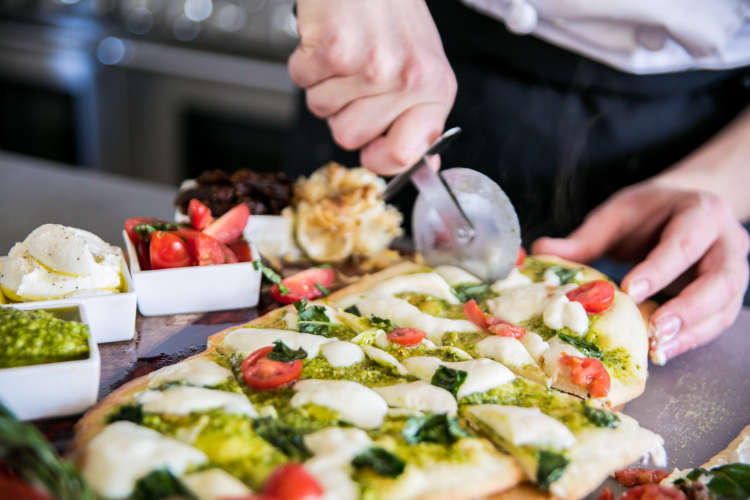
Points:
x=636 y=36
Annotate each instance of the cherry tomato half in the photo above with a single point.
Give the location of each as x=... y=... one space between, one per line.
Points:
x=406 y=336
x=475 y=315
x=204 y=249
x=521 y=257
x=595 y=296
x=139 y=242
x=653 y=492
x=638 y=475
x=241 y=249
x=200 y=214
x=292 y=482
x=302 y=285
x=168 y=250
x=505 y=329
x=261 y=373
x=588 y=373
x=229 y=226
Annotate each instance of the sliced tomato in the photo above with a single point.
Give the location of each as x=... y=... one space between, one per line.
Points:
x=638 y=475
x=139 y=242
x=521 y=257
x=588 y=373
x=653 y=492
x=475 y=315
x=14 y=488
x=262 y=374
x=200 y=214
x=241 y=249
x=204 y=249
x=595 y=296
x=505 y=328
x=168 y=250
x=302 y=285
x=229 y=226
x=229 y=256
x=606 y=494
x=406 y=336
x=292 y=482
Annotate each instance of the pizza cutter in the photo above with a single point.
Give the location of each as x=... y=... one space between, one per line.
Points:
x=461 y=217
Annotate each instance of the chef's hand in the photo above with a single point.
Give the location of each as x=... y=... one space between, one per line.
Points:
x=376 y=71
x=685 y=234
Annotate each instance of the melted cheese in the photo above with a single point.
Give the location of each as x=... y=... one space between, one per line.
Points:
x=427 y=283
x=339 y=445
x=455 y=276
x=197 y=371
x=214 y=484
x=356 y=404
x=519 y=303
x=551 y=278
x=419 y=396
x=341 y=354
x=481 y=374
x=551 y=357
x=125 y=452
x=248 y=340
x=535 y=345
x=384 y=359
x=336 y=481
x=507 y=350
x=182 y=400
x=514 y=279
x=524 y=426
x=561 y=313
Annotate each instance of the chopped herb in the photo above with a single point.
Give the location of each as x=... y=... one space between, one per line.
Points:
x=565 y=274
x=440 y=429
x=730 y=481
x=160 y=484
x=696 y=473
x=449 y=379
x=325 y=291
x=381 y=323
x=313 y=319
x=282 y=352
x=381 y=461
x=149 y=229
x=130 y=412
x=550 y=467
x=353 y=309
x=588 y=349
x=282 y=436
x=476 y=291
x=600 y=418
x=270 y=275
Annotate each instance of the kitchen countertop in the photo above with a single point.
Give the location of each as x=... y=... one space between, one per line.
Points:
x=698 y=402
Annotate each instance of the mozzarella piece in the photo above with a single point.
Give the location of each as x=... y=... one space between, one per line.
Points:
x=357 y=404
x=384 y=359
x=426 y=283
x=340 y=354
x=514 y=279
x=419 y=396
x=125 y=452
x=481 y=374
x=550 y=277
x=551 y=358
x=524 y=426
x=535 y=345
x=197 y=371
x=561 y=313
x=519 y=303
x=182 y=400
x=459 y=353
x=455 y=276
x=336 y=481
x=71 y=251
x=339 y=445
x=214 y=484
x=507 y=350
x=248 y=340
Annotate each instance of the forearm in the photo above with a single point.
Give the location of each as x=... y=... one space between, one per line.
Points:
x=720 y=166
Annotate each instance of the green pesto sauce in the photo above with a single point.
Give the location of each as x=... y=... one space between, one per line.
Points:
x=535 y=269
x=528 y=394
x=228 y=440
x=366 y=372
x=536 y=325
x=618 y=362
x=433 y=306
x=463 y=340
x=36 y=337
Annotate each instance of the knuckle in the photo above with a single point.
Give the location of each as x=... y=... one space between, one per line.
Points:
x=337 y=55
x=689 y=248
x=399 y=157
x=412 y=75
x=317 y=106
x=346 y=137
x=376 y=68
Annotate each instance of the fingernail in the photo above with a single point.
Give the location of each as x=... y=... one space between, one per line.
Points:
x=666 y=328
x=669 y=349
x=638 y=290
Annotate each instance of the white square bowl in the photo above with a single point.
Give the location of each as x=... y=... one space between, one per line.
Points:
x=111 y=317
x=194 y=288
x=52 y=389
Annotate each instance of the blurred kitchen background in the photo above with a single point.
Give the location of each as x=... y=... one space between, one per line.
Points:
x=156 y=89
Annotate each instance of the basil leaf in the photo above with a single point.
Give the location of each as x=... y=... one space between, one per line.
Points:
x=270 y=275
x=550 y=467
x=588 y=349
x=476 y=291
x=381 y=323
x=282 y=437
x=313 y=319
x=149 y=229
x=160 y=484
x=381 y=461
x=565 y=274
x=353 y=309
x=696 y=473
x=730 y=481
x=449 y=379
x=600 y=418
x=130 y=412
x=440 y=429
x=325 y=291
x=282 y=352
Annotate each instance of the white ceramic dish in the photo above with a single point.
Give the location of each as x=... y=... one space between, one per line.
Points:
x=111 y=317
x=195 y=288
x=52 y=389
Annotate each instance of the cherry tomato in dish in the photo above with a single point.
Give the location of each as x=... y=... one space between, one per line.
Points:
x=595 y=296
x=588 y=373
x=204 y=249
x=139 y=242
x=292 y=482
x=261 y=373
x=229 y=226
x=638 y=475
x=475 y=314
x=606 y=494
x=521 y=257
x=200 y=214
x=241 y=249
x=653 y=492
x=406 y=336
x=229 y=256
x=303 y=285
x=505 y=329
x=13 y=487
x=168 y=250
